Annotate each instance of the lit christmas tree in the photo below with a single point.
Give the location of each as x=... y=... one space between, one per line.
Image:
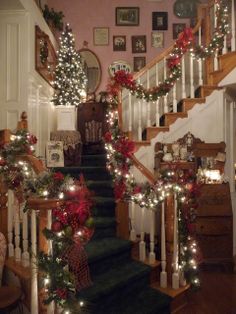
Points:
x=70 y=81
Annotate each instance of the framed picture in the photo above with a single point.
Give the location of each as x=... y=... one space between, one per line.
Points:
x=159 y=21
x=157 y=39
x=127 y=16
x=101 y=36
x=118 y=66
x=119 y=43
x=138 y=44
x=178 y=28
x=55 y=154
x=139 y=63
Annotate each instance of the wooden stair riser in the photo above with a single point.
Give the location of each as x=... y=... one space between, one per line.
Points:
x=226 y=60
x=170 y=118
x=154 y=131
x=188 y=104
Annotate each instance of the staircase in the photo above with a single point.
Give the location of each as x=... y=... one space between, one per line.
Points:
x=120 y=284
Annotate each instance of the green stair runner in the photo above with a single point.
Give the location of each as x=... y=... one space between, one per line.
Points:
x=120 y=284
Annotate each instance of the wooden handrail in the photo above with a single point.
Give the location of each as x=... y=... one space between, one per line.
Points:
x=147 y=173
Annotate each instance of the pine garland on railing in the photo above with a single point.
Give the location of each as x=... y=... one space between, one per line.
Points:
x=183 y=44
x=119 y=152
x=65 y=270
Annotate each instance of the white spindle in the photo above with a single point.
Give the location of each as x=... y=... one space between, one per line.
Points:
x=200 y=77
x=158 y=112
x=175 y=275
x=174 y=99
x=10 y=216
x=16 y=210
x=157 y=73
x=216 y=52
x=139 y=120
x=191 y=75
x=132 y=214
x=166 y=109
x=232 y=26
x=142 y=244
x=130 y=113
x=152 y=255
x=148 y=103
x=34 y=274
x=163 y=277
x=25 y=254
x=183 y=78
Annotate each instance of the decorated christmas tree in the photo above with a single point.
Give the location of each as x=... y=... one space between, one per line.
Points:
x=70 y=79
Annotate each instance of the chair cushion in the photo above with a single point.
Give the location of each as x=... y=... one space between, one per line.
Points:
x=9 y=296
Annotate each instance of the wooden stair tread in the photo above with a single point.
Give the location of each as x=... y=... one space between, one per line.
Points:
x=18 y=269
x=161 y=128
x=173 y=293
x=194 y=100
x=227 y=55
x=177 y=114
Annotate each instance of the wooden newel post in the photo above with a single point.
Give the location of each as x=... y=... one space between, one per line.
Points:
x=169 y=236
x=122 y=220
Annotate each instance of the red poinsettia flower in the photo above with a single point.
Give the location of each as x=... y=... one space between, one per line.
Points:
x=137 y=189
x=58 y=176
x=108 y=137
x=2 y=162
x=61 y=293
x=125 y=147
x=119 y=190
x=174 y=61
x=32 y=139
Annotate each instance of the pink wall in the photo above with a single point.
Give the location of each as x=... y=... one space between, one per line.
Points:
x=83 y=15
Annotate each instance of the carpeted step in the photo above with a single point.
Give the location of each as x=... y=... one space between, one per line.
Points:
x=104 y=207
x=101 y=188
x=105 y=253
x=105 y=227
x=89 y=173
x=93 y=160
x=116 y=283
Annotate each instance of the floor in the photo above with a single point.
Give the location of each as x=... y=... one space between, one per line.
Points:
x=216 y=296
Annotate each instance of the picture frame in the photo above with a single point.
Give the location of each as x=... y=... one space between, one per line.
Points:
x=55 y=154
x=159 y=21
x=119 y=43
x=157 y=39
x=101 y=36
x=127 y=16
x=138 y=44
x=139 y=63
x=118 y=66
x=177 y=29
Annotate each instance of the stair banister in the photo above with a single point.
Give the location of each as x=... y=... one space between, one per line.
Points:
x=232 y=26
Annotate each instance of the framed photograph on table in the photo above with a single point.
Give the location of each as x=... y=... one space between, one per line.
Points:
x=139 y=63
x=55 y=154
x=138 y=44
x=101 y=36
x=159 y=21
x=157 y=39
x=127 y=16
x=119 y=43
x=177 y=29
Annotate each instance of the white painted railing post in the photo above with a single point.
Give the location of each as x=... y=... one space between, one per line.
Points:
x=139 y=120
x=10 y=216
x=25 y=254
x=216 y=51
x=158 y=112
x=152 y=255
x=191 y=75
x=175 y=275
x=142 y=244
x=200 y=77
x=183 y=77
x=166 y=109
x=130 y=113
x=16 y=210
x=148 y=103
x=174 y=99
x=163 y=276
x=34 y=272
x=133 y=235
x=232 y=26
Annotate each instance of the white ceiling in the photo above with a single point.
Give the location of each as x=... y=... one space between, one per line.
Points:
x=10 y=5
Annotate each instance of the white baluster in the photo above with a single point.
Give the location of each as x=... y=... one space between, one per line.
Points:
x=139 y=120
x=200 y=77
x=232 y=26
x=183 y=78
x=158 y=112
x=34 y=273
x=130 y=113
x=25 y=254
x=157 y=74
x=174 y=99
x=216 y=52
x=16 y=210
x=191 y=75
x=148 y=103
x=142 y=244
x=132 y=221
x=10 y=216
x=175 y=275
x=163 y=277
x=152 y=255
x=166 y=109
x=51 y=306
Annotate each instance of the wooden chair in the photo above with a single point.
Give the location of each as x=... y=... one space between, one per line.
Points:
x=10 y=296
